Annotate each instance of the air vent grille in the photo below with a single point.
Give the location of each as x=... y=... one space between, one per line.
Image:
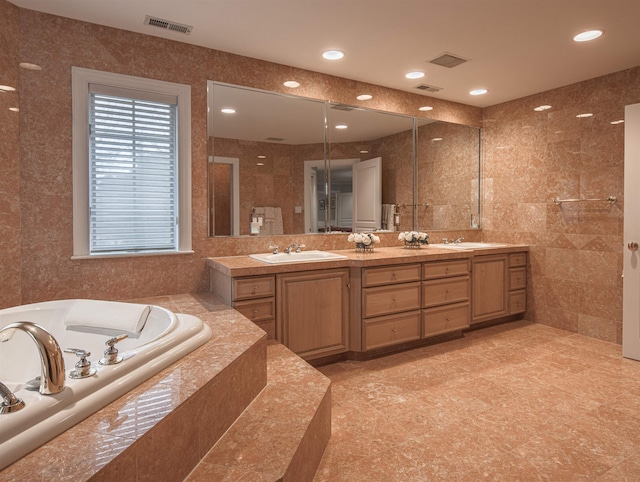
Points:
x=428 y=88
x=448 y=60
x=167 y=24
x=275 y=139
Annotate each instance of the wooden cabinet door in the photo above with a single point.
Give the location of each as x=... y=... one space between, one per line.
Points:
x=489 y=287
x=313 y=312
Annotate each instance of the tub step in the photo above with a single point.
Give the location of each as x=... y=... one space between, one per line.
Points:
x=282 y=434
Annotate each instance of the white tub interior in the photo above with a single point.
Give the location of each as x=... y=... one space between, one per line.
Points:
x=165 y=338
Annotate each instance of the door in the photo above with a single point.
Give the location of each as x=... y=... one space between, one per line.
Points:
x=367 y=195
x=631 y=281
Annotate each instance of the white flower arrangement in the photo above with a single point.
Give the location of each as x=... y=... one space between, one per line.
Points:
x=413 y=239
x=364 y=241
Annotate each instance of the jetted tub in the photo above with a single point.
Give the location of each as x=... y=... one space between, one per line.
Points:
x=165 y=338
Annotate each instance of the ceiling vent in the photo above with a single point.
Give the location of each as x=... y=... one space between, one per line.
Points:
x=274 y=139
x=428 y=88
x=448 y=60
x=345 y=107
x=167 y=24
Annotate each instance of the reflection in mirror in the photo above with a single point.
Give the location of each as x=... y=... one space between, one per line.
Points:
x=447 y=176
x=270 y=170
x=269 y=135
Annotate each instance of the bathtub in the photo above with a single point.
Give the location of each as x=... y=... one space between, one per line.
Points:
x=165 y=338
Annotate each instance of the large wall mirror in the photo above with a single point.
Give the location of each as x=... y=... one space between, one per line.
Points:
x=282 y=164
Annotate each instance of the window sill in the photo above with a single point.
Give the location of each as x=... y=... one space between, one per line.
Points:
x=131 y=255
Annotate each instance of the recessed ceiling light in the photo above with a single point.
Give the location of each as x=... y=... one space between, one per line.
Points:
x=333 y=54
x=7 y=88
x=28 y=66
x=15 y=109
x=478 y=91
x=364 y=152
x=425 y=108
x=617 y=122
x=228 y=110
x=541 y=108
x=364 y=97
x=341 y=126
x=586 y=114
x=435 y=139
x=416 y=74
x=260 y=164
x=292 y=84
x=262 y=157
x=588 y=35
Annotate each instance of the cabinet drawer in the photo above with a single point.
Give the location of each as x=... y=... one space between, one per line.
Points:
x=517 y=278
x=444 y=291
x=257 y=310
x=517 y=301
x=258 y=287
x=391 y=330
x=444 y=269
x=385 y=300
x=517 y=259
x=390 y=274
x=444 y=319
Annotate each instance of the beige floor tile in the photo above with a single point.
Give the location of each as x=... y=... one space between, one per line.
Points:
x=514 y=402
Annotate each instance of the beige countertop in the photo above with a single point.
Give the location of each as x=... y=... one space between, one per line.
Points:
x=246 y=266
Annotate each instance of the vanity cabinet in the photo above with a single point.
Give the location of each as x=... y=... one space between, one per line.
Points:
x=517 y=283
x=489 y=287
x=390 y=305
x=313 y=312
x=253 y=296
x=446 y=292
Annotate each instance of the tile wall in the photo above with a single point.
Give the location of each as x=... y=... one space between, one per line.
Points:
x=9 y=160
x=529 y=158
x=532 y=157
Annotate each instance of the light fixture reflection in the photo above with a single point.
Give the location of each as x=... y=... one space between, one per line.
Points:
x=228 y=110
x=333 y=54
x=292 y=84
x=414 y=75
x=588 y=35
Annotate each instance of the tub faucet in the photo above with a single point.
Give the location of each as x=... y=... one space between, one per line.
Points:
x=9 y=403
x=51 y=360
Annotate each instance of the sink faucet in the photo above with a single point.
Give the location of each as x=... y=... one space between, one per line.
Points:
x=459 y=239
x=51 y=360
x=294 y=246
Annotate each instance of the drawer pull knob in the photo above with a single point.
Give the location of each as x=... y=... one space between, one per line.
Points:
x=395 y=300
x=394 y=330
x=448 y=291
x=448 y=319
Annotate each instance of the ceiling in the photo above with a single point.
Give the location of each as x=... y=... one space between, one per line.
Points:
x=514 y=47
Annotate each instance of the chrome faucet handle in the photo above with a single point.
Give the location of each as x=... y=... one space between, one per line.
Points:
x=9 y=403
x=274 y=248
x=445 y=240
x=300 y=247
x=83 y=366
x=111 y=353
x=459 y=239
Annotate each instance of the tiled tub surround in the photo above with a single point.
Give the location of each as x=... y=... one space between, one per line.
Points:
x=162 y=429
x=257 y=289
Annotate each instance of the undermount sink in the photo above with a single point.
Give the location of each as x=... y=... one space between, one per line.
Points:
x=296 y=257
x=469 y=245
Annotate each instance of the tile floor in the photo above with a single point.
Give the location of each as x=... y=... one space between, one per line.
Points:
x=515 y=402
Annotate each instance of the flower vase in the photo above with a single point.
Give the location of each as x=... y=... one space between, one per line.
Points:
x=412 y=244
x=363 y=248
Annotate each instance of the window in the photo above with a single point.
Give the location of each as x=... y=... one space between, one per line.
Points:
x=131 y=165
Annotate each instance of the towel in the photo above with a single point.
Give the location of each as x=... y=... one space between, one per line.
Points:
x=388 y=212
x=271 y=220
x=125 y=317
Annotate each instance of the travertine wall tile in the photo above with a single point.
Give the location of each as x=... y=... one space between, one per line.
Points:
x=576 y=255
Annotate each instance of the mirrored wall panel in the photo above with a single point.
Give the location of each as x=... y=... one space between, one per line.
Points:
x=283 y=164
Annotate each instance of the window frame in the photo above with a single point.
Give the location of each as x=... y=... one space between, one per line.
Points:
x=81 y=79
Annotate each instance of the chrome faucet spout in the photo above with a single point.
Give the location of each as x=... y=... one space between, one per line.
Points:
x=51 y=359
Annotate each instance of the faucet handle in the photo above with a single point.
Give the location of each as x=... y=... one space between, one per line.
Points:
x=274 y=248
x=300 y=247
x=111 y=353
x=83 y=366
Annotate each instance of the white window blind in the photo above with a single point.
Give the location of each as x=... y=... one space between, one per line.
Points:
x=133 y=171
